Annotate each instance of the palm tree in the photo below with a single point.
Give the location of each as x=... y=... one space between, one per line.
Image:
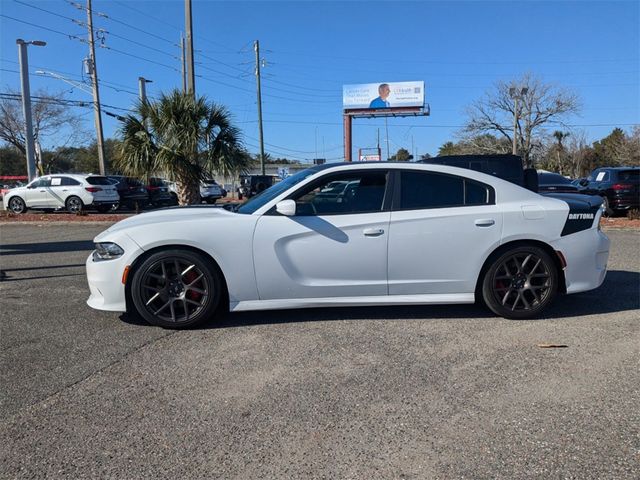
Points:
x=182 y=138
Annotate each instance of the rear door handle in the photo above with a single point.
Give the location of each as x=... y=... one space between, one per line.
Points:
x=373 y=232
x=485 y=222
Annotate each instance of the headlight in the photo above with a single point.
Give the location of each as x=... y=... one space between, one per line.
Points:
x=107 y=251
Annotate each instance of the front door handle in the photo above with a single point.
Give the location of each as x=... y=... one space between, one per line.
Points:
x=485 y=222
x=373 y=232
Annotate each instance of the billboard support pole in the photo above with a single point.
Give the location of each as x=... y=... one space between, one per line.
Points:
x=347 y=138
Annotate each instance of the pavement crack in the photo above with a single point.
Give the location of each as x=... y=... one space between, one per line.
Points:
x=88 y=376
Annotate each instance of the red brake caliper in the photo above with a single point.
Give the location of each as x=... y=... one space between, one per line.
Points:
x=189 y=277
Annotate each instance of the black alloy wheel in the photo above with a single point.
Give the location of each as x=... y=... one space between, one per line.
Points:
x=521 y=283
x=176 y=289
x=17 y=205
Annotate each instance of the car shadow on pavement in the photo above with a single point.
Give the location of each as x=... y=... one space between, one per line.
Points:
x=46 y=247
x=619 y=292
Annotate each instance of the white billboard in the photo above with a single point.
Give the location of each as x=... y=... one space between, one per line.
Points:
x=373 y=96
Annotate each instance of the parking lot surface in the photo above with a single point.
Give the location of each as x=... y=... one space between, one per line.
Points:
x=402 y=392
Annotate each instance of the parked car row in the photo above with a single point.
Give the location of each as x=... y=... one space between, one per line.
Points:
x=619 y=187
x=75 y=192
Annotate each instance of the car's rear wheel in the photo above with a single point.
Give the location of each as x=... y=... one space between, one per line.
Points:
x=17 y=205
x=176 y=289
x=104 y=208
x=520 y=283
x=73 y=204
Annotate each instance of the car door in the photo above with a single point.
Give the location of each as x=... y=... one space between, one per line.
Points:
x=59 y=190
x=38 y=193
x=442 y=227
x=334 y=246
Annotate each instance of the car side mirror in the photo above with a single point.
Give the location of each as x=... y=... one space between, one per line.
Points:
x=31 y=186
x=286 y=207
x=584 y=182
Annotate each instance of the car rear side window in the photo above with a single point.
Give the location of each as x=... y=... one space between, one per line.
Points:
x=96 y=180
x=421 y=190
x=68 y=181
x=632 y=176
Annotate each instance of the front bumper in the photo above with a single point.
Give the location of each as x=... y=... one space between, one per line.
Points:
x=105 y=278
x=587 y=254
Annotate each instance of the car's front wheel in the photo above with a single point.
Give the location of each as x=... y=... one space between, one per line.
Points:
x=176 y=288
x=17 y=205
x=520 y=283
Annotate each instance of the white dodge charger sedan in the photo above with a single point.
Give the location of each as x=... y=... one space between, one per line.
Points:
x=354 y=234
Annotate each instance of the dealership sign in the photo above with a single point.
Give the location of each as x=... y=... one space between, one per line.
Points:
x=373 y=96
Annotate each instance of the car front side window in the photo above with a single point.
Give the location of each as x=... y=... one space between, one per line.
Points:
x=343 y=194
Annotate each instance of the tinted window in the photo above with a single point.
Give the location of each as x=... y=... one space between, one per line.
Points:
x=347 y=193
x=157 y=182
x=476 y=193
x=95 y=180
x=68 y=181
x=632 y=176
x=433 y=190
x=42 y=182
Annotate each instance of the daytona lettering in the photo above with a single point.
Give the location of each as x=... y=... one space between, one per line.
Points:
x=581 y=216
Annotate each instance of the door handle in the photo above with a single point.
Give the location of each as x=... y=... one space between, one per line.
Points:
x=42 y=190
x=373 y=232
x=485 y=222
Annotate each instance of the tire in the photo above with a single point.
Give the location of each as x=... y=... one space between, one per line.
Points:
x=17 y=205
x=73 y=204
x=176 y=289
x=520 y=283
x=210 y=201
x=103 y=208
x=608 y=212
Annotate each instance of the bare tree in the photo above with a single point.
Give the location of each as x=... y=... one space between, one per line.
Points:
x=542 y=105
x=51 y=116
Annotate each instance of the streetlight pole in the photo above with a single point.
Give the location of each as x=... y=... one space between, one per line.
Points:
x=26 y=104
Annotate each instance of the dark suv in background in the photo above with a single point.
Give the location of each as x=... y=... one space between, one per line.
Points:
x=159 y=194
x=618 y=186
x=131 y=190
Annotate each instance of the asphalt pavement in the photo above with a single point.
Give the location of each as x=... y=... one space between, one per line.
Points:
x=397 y=392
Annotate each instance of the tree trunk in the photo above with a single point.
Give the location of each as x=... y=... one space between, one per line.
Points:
x=188 y=192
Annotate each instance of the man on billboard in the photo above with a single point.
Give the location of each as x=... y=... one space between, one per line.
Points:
x=381 y=101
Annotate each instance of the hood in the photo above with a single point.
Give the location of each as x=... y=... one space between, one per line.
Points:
x=169 y=215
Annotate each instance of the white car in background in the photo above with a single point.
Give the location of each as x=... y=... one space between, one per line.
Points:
x=72 y=192
x=210 y=191
x=393 y=234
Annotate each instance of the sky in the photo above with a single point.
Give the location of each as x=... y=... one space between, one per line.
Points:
x=311 y=48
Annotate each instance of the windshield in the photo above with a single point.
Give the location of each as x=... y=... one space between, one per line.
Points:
x=270 y=193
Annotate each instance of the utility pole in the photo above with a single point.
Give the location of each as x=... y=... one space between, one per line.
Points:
x=386 y=127
x=26 y=104
x=96 y=93
x=182 y=64
x=516 y=94
x=142 y=88
x=191 y=76
x=256 y=47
